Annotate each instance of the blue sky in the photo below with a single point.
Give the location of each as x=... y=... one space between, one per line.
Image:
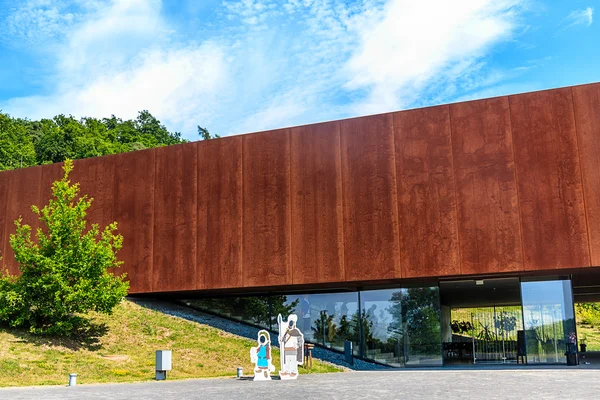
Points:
x=251 y=65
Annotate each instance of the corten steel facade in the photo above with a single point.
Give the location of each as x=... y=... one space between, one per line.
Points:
x=508 y=185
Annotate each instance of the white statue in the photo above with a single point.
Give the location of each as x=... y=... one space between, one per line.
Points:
x=291 y=343
x=261 y=357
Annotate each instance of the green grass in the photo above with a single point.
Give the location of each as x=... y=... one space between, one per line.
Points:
x=592 y=335
x=126 y=351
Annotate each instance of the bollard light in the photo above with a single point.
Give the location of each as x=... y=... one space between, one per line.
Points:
x=163 y=364
x=72 y=379
x=239 y=372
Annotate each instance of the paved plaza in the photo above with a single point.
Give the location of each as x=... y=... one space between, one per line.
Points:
x=461 y=384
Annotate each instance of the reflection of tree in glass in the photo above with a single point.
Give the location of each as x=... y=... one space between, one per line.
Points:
x=416 y=313
x=324 y=329
x=345 y=330
x=262 y=311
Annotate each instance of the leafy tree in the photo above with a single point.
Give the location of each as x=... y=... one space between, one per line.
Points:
x=588 y=313
x=65 y=274
x=16 y=145
x=205 y=134
x=24 y=143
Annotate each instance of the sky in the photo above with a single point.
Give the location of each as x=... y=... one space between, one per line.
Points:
x=252 y=65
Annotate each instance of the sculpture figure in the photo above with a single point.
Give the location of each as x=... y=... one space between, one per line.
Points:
x=291 y=343
x=261 y=357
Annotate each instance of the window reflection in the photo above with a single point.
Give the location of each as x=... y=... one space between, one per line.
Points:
x=549 y=320
x=396 y=327
x=328 y=319
x=402 y=326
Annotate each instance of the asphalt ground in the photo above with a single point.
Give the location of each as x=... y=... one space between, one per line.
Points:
x=464 y=384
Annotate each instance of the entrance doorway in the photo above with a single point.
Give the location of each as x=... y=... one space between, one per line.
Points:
x=482 y=321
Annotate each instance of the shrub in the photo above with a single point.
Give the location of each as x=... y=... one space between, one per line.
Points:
x=65 y=274
x=588 y=313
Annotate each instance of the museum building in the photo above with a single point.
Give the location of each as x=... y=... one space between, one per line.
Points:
x=454 y=234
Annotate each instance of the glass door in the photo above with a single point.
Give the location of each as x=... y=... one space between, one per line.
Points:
x=495 y=334
x=481 y=320
x=549 y=320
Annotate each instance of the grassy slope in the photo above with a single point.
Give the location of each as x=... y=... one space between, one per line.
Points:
x=592 y=335
x=126 y=352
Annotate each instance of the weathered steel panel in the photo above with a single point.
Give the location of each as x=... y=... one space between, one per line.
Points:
x=175 y=197
x=488 y=205
x=23 y=192
x=5 y=178
x=426 y=193
x=587 y=118
x=266 y=209
x=371 y=248
x=219 y=213
x=96 y=177
x=134 y=213
x=549 y=180
x=317 y=214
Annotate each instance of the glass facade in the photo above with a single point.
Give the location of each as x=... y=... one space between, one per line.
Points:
x=549 y=320
x=416 y=326
x=401 y=327
x=328 y=319
x=397 y=327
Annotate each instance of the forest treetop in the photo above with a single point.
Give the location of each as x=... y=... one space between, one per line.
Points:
x=24 y=142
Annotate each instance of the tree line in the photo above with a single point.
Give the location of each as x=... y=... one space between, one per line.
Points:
x=25 y=142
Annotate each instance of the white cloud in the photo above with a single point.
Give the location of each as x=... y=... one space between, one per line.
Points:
x=415 y=44
x=270 y=64
x=36 y=22
x=119 y=61
x=578 y=17
x=176 y=84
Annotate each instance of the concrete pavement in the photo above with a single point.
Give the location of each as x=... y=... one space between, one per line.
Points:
x=461 y=384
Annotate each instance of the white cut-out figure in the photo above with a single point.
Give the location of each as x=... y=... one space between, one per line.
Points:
x=261 y=357
x=291 y=343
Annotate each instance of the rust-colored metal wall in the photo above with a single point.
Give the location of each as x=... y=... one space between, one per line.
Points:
x=96 y=177
x=5 y=178
x=23 y=192
x=488 y=206
x=317 y=214
x=371 y=241
x=219 y=213
x=503 y=185
x=266 y=227
x=549 y=180
x=175 y=202
x=426 y=193
x=134 y=212
x=587 y=119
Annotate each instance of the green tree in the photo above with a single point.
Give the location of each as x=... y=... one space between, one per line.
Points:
x=16 y=145
x=205 y=134
x=65 y=274
x=24 y=143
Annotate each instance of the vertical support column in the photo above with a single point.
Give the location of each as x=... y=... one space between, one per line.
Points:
x=361 y=340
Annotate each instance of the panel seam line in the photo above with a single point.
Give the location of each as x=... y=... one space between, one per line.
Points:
x=460 y=252
x=516 y=174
